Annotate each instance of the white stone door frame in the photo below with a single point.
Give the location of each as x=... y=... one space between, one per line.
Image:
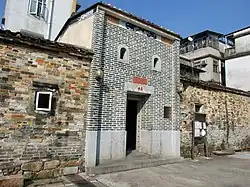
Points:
x=139 y=98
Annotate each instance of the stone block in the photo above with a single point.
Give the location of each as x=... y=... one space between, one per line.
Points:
x=70 y=170
x=28 y=175
x=71 y=163
x=57 y=172
x=45 y=174
x=51 y=164
x=48 y=174
x=12 y=181
x=32 y=166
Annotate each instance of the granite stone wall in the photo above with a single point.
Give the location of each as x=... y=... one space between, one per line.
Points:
x=40 y=144
x=228 y=117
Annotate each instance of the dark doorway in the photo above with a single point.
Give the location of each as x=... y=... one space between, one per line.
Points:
x=131 y=123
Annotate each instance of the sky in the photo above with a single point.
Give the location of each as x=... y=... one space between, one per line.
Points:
x=185 y=17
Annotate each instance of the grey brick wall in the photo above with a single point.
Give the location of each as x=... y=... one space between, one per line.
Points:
x=175 y=85
x=108 y=112
x=94 y=102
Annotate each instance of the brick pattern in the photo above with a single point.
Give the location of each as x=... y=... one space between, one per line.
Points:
x=26 y=135
x=175 y=86
x=111 y=112
x=95 y=101
x=224 y=111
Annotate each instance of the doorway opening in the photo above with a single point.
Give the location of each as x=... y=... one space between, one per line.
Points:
x=131 y=125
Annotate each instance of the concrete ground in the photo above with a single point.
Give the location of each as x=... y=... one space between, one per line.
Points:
x=217 y=172
x=233 y=171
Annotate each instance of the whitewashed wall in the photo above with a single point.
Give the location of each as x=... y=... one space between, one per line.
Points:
x=18 y=17
x=238 y=73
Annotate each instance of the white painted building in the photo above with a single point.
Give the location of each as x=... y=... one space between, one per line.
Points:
x=238 y=59
x=206 y=52
x=42 y=18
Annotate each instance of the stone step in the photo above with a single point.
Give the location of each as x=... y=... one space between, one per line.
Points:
x=126 y=165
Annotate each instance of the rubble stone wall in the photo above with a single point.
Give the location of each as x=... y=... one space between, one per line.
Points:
x=227 y=114
x=40 y=144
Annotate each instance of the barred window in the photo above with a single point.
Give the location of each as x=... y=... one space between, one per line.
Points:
x=167 y=112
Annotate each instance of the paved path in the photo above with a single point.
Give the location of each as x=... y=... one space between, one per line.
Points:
x=233 y=171
x=78 y=180
x=219 y=172
x=242 y=155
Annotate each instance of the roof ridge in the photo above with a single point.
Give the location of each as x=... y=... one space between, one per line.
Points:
x=107 y=5
x=18 y=37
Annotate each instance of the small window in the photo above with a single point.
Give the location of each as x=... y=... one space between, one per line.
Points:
x=38 y=8
x=197 y=108
x=123 y=53
x=215 y=66
x=43 y=101
x=156 y=60
x=167 y=112
x=156 y=63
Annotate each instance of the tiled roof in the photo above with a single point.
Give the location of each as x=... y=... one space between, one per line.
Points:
x=139 y=19
x=215 y=86
x=109 y=6
x=20 y=38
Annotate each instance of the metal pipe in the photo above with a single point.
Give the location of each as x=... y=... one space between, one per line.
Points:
x=51 y=11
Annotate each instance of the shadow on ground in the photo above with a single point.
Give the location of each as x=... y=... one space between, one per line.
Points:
x=69 y=180
x=79 y=181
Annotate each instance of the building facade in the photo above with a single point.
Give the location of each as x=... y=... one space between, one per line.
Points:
x=225 y=109
x=40 y=18
x=43 y=106
x=237 y=58
x=206 y=51
x=187 y=71
x=135 y=104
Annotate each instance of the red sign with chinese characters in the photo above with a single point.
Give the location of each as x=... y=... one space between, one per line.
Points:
x=140 y=80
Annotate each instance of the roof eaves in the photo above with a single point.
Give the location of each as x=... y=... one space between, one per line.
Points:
x=119 y=11
x=203 y=32
x=215 y=86
x=74 y=16
x=147 y=22
x=19 y=38
x=237 y=31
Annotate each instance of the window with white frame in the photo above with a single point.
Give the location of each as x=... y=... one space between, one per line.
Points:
x=38 y=8
x=156 y=63
x=43 y=101
x=123 y=53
